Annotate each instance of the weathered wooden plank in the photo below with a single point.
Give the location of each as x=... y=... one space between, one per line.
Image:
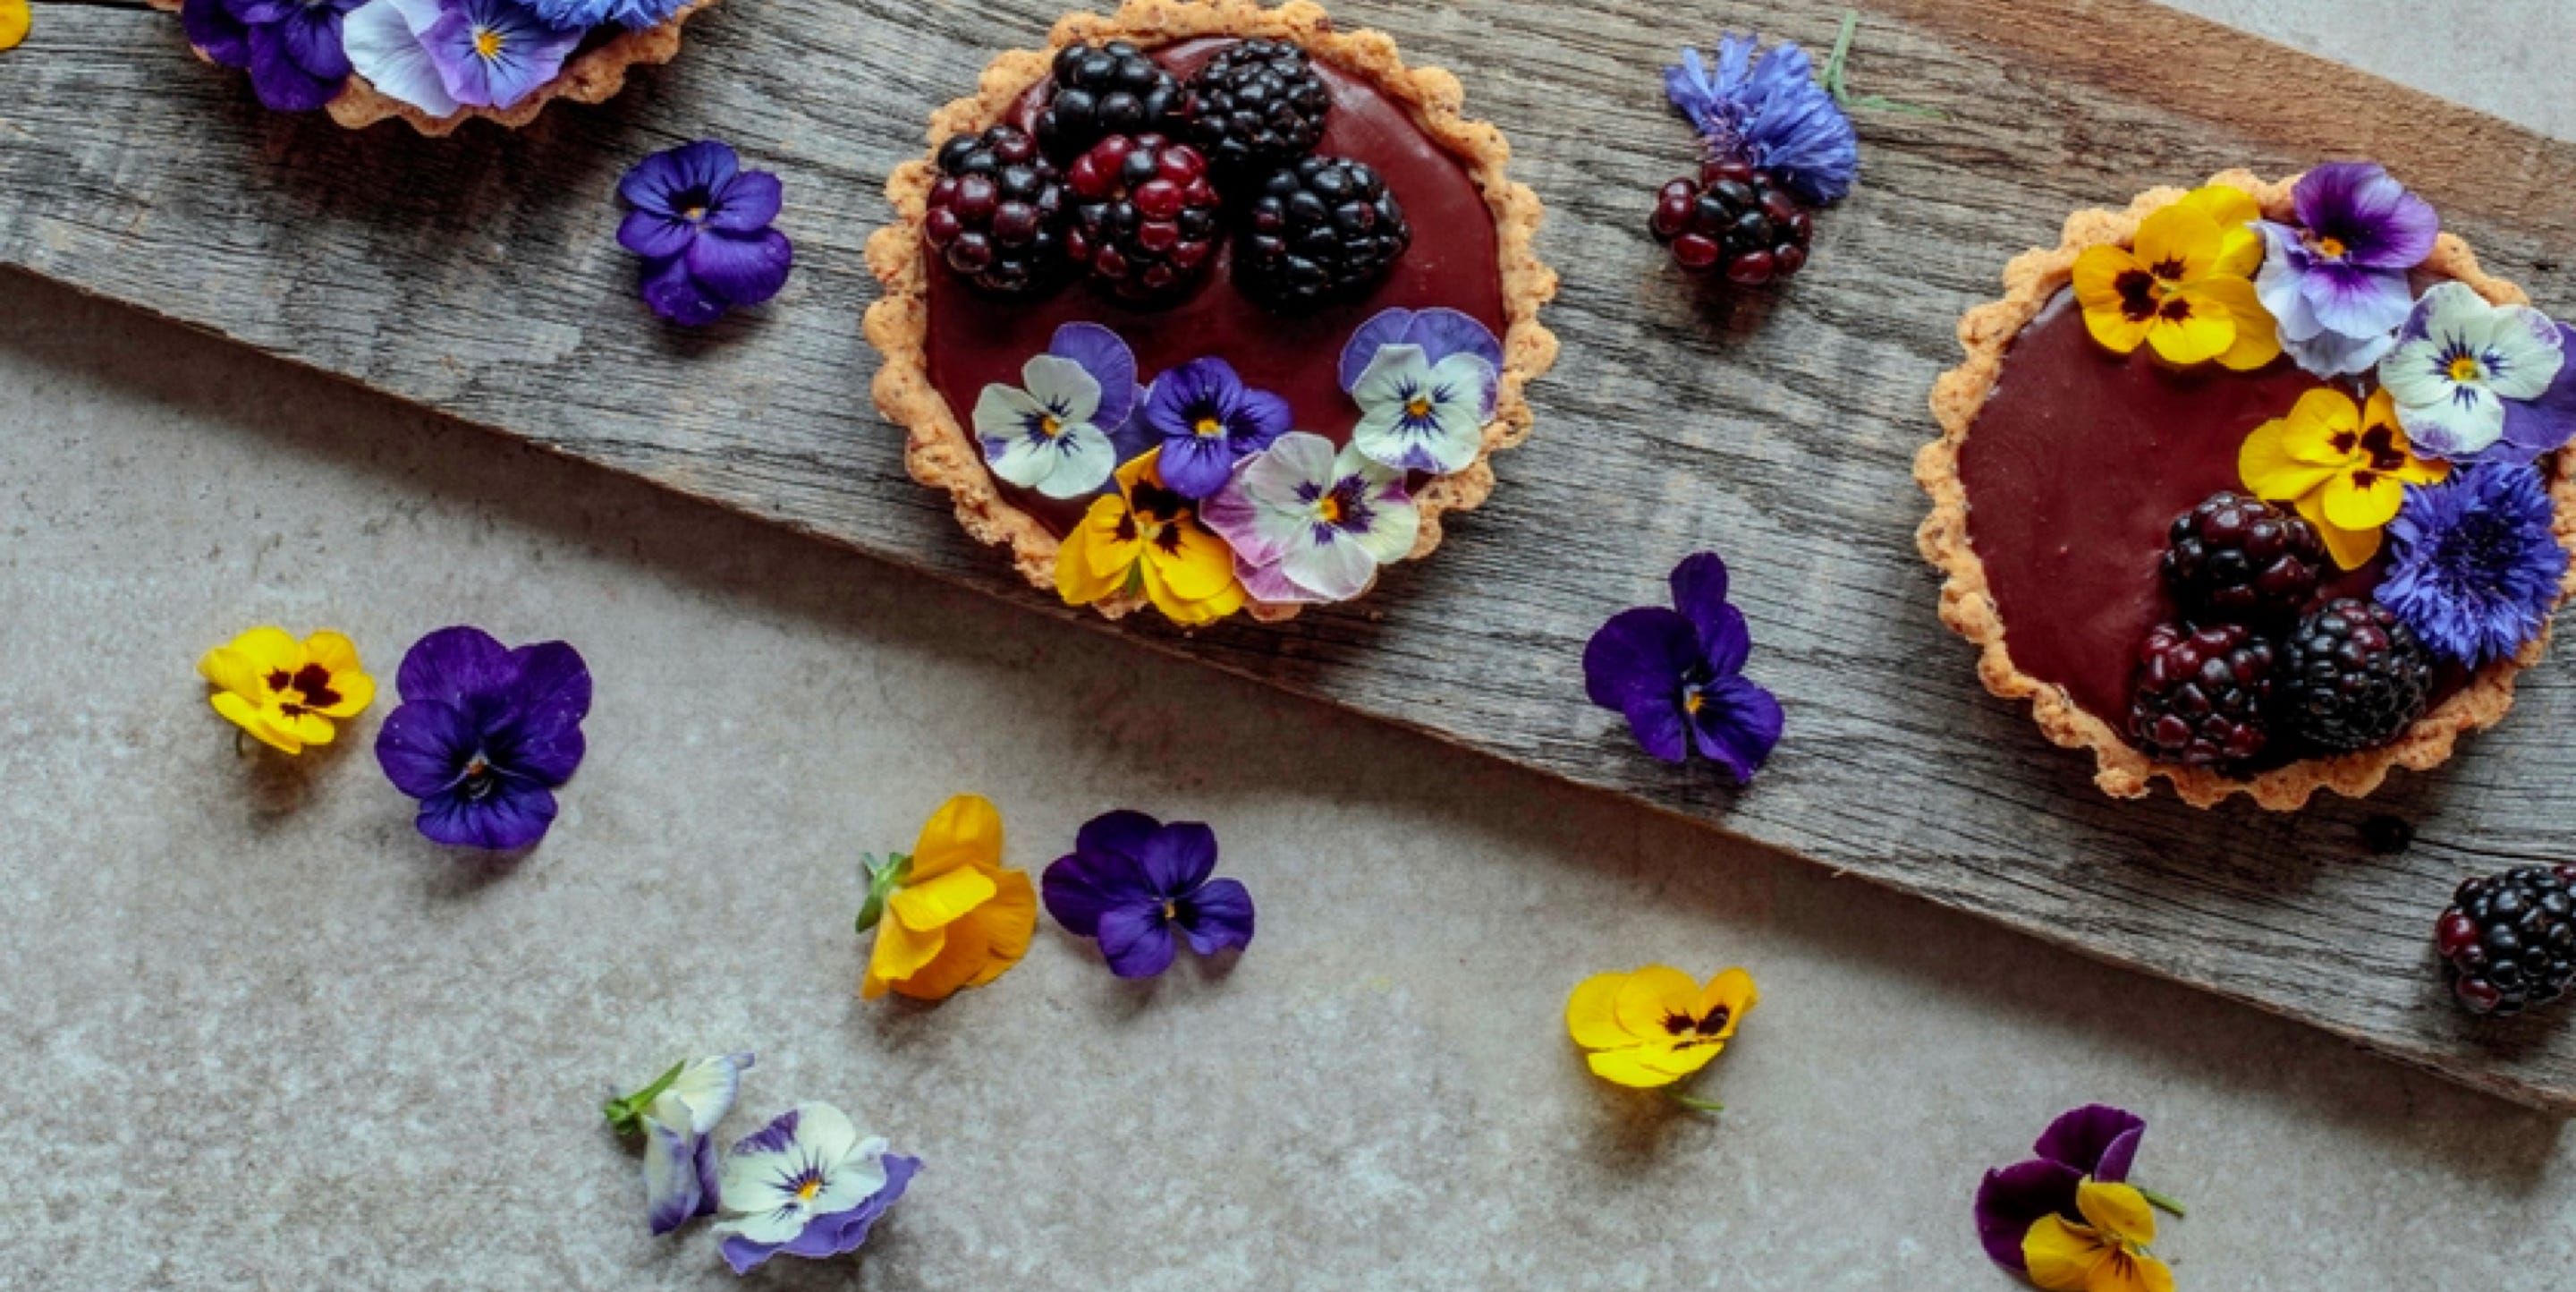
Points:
x=478 y=275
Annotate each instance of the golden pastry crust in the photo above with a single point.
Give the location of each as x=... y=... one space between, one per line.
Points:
x=1967 y=606
x=591 y=76
x=942 y=453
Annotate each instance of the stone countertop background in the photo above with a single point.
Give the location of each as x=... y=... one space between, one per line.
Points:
x=266 y=1037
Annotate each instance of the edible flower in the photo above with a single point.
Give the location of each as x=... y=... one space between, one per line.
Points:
x=675 y=1114
x=383 y=38
x=1309 y=523
x=1769 y=112
x=807 y=1184
x=1148 y=538
x=1653 y=1027
x=2343 y=466
x=1056 y=432
x=291 y=47
x=2336 y=281
x=2474 y=565
x=2482 y=383
x=2183 y=286
x=1426 y=382
x=1678 y=675
x=285 y=692
x=1131 y=880
x=634 y=15
x=485 y=735
x=15 y=18
x=2068 y=1218
x=1207 y=419
x=493 y=53
x=701 y=223
x=947 y=916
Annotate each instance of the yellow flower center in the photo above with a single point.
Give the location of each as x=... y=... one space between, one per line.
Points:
x=813 y=1185
x=1329 y=509
x=487 y=43
x=2332 y=248
x=1209 y=426
x=1171 y=910
x=2465 y=369
x=1419 y=407
x=1692 y=703
x=1050 y=426
x=694 y=214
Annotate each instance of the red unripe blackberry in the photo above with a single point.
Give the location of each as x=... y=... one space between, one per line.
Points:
x=2241 y=560
x=2203 y=695
x=2508 y=941
x=1104 y=90
x=1254 y=106
x=1319 y=230
x=996 y=214
x=1733 y=220
x=1143 y=217
x=2353 y=676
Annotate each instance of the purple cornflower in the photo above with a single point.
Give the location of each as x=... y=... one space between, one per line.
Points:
x=2337 y=282
x=1207 y=419
x=1678 y=675
x=2474 y=564
x=1131 y=880
x=292 y=47
x=2096 y=1141
x=701 y=222
x=1769 y=112
x=485 y=735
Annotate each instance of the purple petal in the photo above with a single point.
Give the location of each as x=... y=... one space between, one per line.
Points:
x=748 y=204
x=1725 y=642
x=676 y=1192
x=424 y=746
x=454 y=664
x=670 y=292
x=283 y=85
x=2013 y=1199
x=832 y=1235
x=2083 y=1139
x=776 y=1137
x=1178 y=858
x=1259 y=418
x=1196 y=466
x=1082 y=886
x=313 y=42
x=550 y=687
x=2537 y=426
x=1388 y=328
x=1136 y=941
x=2381 y=225
x=1101 y=353
x=1639 y=653
x=710 y=1188
x=1121 y=833
x=2354 y=301
x=656 y=184
x=655 y=236
x=1737 y=726
x=262 y=13
x=1661 y=728
x=512 y=815
x=546 y=756
x=1218 y=916
x=215 y=32
x=741 y=269
x=1442 y=332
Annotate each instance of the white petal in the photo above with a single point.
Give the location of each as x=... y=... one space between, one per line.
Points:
x=2466 y=423
x=385 y=48
x=1381 y=435
x=853 y=1180
x=1062 y=385
x=708 y=1087
x=1005 y=410
x=1392 y=378
x=1471 y=381
x=1456 y=436
x=773 y=1226
x=1079 y=461
x=1393 y=526
x=1336 y=569
x=670 y=1175
x=2415 y=374
x=825 y=1132
x=2522 y=353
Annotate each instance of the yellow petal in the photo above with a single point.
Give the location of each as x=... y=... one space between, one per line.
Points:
x=2179 y=244
x=1591 y=1016
x=310 y=728
x=2191 y=329
x=965 y=831
x=1627 y=1067
x=356 y=691
x=2381 y=412
x=983 y=945
x=2350 y=548
x=2118 y=1211
x=257 y=721
x=2226 y=204
x=1143 y=468
x=1112 y=540
x=2258 y=336
x=1679 y=1056
x=234 y=671
x=1651 y=996
x=1197 y=565
x=2240 y=252
x=1732 y=991
x=2361 y=500
x=2322 y=417
x=2062 y=1257
x=338 y=656
x=1075 y=558
x=900 y=952
x=270 y=650
x=2134 y=1272
x=2097 y=292
x=1187 y=611
x=2269 y=463
x=942 y=900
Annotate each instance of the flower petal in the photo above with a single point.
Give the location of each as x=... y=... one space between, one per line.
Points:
x=513 y=815
x=1218 y=916
x=741 y=269
x=453 y=664
x=1737 y=726
x=1591 y=1013
x=1652 y=996
x=672 y=1195
x=1627 y=1066
x=2011 y=1200
x=1137 y=942
x=1330 y=565
x=2096 y=1140
x=1639 y=654
x=942 y=900
x=424 y=746
x=1732 y=991
x=900 y=951
x=1084 y=885
x=2062 y=1257
x=965 y=831
x=748 y=204
x=383 y=47
x=672 y=292
x=1111 y=365
x=2119 y=1211
x=1178 y=858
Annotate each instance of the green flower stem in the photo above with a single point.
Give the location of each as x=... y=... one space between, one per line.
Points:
x=1834 y=66
x=2156 y=1199
x=883 y=878
x=626 y=1116
x=1694 y=1103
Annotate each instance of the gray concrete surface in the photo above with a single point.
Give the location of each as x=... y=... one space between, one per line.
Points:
x=265 y=1037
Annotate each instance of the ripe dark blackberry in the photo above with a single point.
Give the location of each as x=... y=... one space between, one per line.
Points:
x=996 y=215
x=2508 y=941
x=1144 y=218
x=1320 y=229
x=1104 y=90
x=2203 y=695
x=1255 y=106
x=2241 y=560
x=2353 y=677
x=1733 y=219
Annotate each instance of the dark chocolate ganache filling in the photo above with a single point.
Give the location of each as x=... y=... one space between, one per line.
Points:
x=977 y=340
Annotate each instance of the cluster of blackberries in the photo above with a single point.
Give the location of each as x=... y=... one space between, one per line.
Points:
x=1134 y=178
x=2508 y=941
x=1733 y=220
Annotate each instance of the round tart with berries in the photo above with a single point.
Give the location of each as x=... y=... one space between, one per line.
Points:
x=2259 y=488
x=1211 y=307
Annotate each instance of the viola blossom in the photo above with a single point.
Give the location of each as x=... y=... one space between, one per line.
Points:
x=807 y=1184
x=2476 y=382
x=494 y=53
x=383 y=38
x=1678 y=675
x=1309 y=524
x=675 y=1114
x=2183 y=286
x=1416 y=415
x=291 y=47
x=1207 y=420
x=701 y=223
x=1148 y=538
x=1131 y=881
x=2068 y=1218
x=1768 y=111
x=2336 y=281
x=2343 y=466
x=948 y=916
x=485 y=735
x=1651 y=1028
x=634 y=15
x=2474 y=565
x=1058 y=431
x=287 y=693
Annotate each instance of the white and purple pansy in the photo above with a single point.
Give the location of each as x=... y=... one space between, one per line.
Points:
x=1058 y=432
x=383 y=38
x=2336 y=282
x=2476 y=382
x=1427 y=382
x=807 y=1184
x=676 y=1114
x=1310 y=525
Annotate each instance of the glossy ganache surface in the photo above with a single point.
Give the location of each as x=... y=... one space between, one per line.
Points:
x=976 y=340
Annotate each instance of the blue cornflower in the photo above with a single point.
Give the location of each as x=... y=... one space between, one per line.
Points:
x=2474 y=564
x=578 y=15
x=1770 y=113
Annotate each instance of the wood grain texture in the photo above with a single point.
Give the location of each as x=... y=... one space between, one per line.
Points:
x=479 y=275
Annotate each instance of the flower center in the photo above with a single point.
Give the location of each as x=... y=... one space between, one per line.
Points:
x=1050 y=426
x=1418 y=408
x=1207 y=427
x=479 y=779
x=2175 y=310
x=487 y=43
x=2169 y=269
x=2330 y=247
x=2139 y=295
x=813 y=1184
x=2465 y=370
x=1328 y=509
x=1171 y=910
x=310 y=686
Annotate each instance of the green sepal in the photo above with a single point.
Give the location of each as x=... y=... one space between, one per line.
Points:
x=883 y=878
x=1834 y=63
x=626 y=1116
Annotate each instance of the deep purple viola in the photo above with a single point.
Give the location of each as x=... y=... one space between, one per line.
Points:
x=291 y=47
x=1133 y=882
x=495 y=53
x=2337 y=282
x=701 y=223
x=1206 y=419
x=1678 y=675
x=2095 y=1141
x=485 y=735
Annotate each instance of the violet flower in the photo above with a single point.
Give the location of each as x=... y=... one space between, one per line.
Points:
x=1062 y=430
x=806 y=1185
x=2479 y=382
x=1309 y=524
x=676 y=1114
x=493 y=53
x=2474 y=563
x=701 y=222
x=1769 y=112
x=1207 y=419
x=1131 y=880
x=383 y=38
x=292 y=47
x=2336 y=282
x=2094 y=1141
x=1678 y=675
x=485 y=735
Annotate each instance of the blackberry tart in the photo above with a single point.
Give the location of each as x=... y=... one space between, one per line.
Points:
x=1213 y=307
x=2257 y=488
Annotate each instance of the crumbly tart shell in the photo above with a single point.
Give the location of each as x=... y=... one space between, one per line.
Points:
x=942 y=454
x=594 y=75
x=1967 y=606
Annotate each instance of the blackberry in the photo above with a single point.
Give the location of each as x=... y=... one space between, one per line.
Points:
x=1255 y=105
x=2242 y=560
x=1104 y=90
x=2353 y=677
x=2508 y=941
x=1144 y=217
x=1318 y=230
x=2203 y=695
x=1734 y=219
x=996 y=214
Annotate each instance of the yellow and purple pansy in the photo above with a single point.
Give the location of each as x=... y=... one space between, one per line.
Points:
x=2068 y=1219
x=1651 y=1028
x=2184 y=286
x=288 y=694
x=2344 y=466
x=1148 y=538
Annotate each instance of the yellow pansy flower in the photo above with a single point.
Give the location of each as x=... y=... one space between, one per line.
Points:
x=2343 y=466
x=2107 y=1253
x=14 y=19
x=285 y=692
x=2184 y=286
x=1149 y=537
x=1655 y=1026
x=948 y=916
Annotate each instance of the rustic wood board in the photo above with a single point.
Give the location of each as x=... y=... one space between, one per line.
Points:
x=478 y=276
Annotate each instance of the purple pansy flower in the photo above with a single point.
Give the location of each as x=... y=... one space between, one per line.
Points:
x=701 y=222
x=1309 y=524
x=493 y=53
x=1678 y=675
x=485 y=735
x=2474 y=562
x=2479 y=382
x=383 y=38
x=2336 y=282
x=1131 y=880
x=292 y=47
x=1769 y=112
x=1437 y=332
x=2096 y=1141
x=807 y=1184
x=1064 y=428
x=1207 y=419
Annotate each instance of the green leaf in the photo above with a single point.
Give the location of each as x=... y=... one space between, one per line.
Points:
x=883 y=878
x=1839 y=60
x=1696 y=1104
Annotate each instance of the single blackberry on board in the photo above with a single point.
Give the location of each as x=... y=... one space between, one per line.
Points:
x=1256 y=105
x=1734 y=220
x=2508 y=941
x=1104 y=90
x=1319 y=230
x=996 y=214
x=2203 y=695
x=1143 y=217
x=2241 y=560
x=2353 y=677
